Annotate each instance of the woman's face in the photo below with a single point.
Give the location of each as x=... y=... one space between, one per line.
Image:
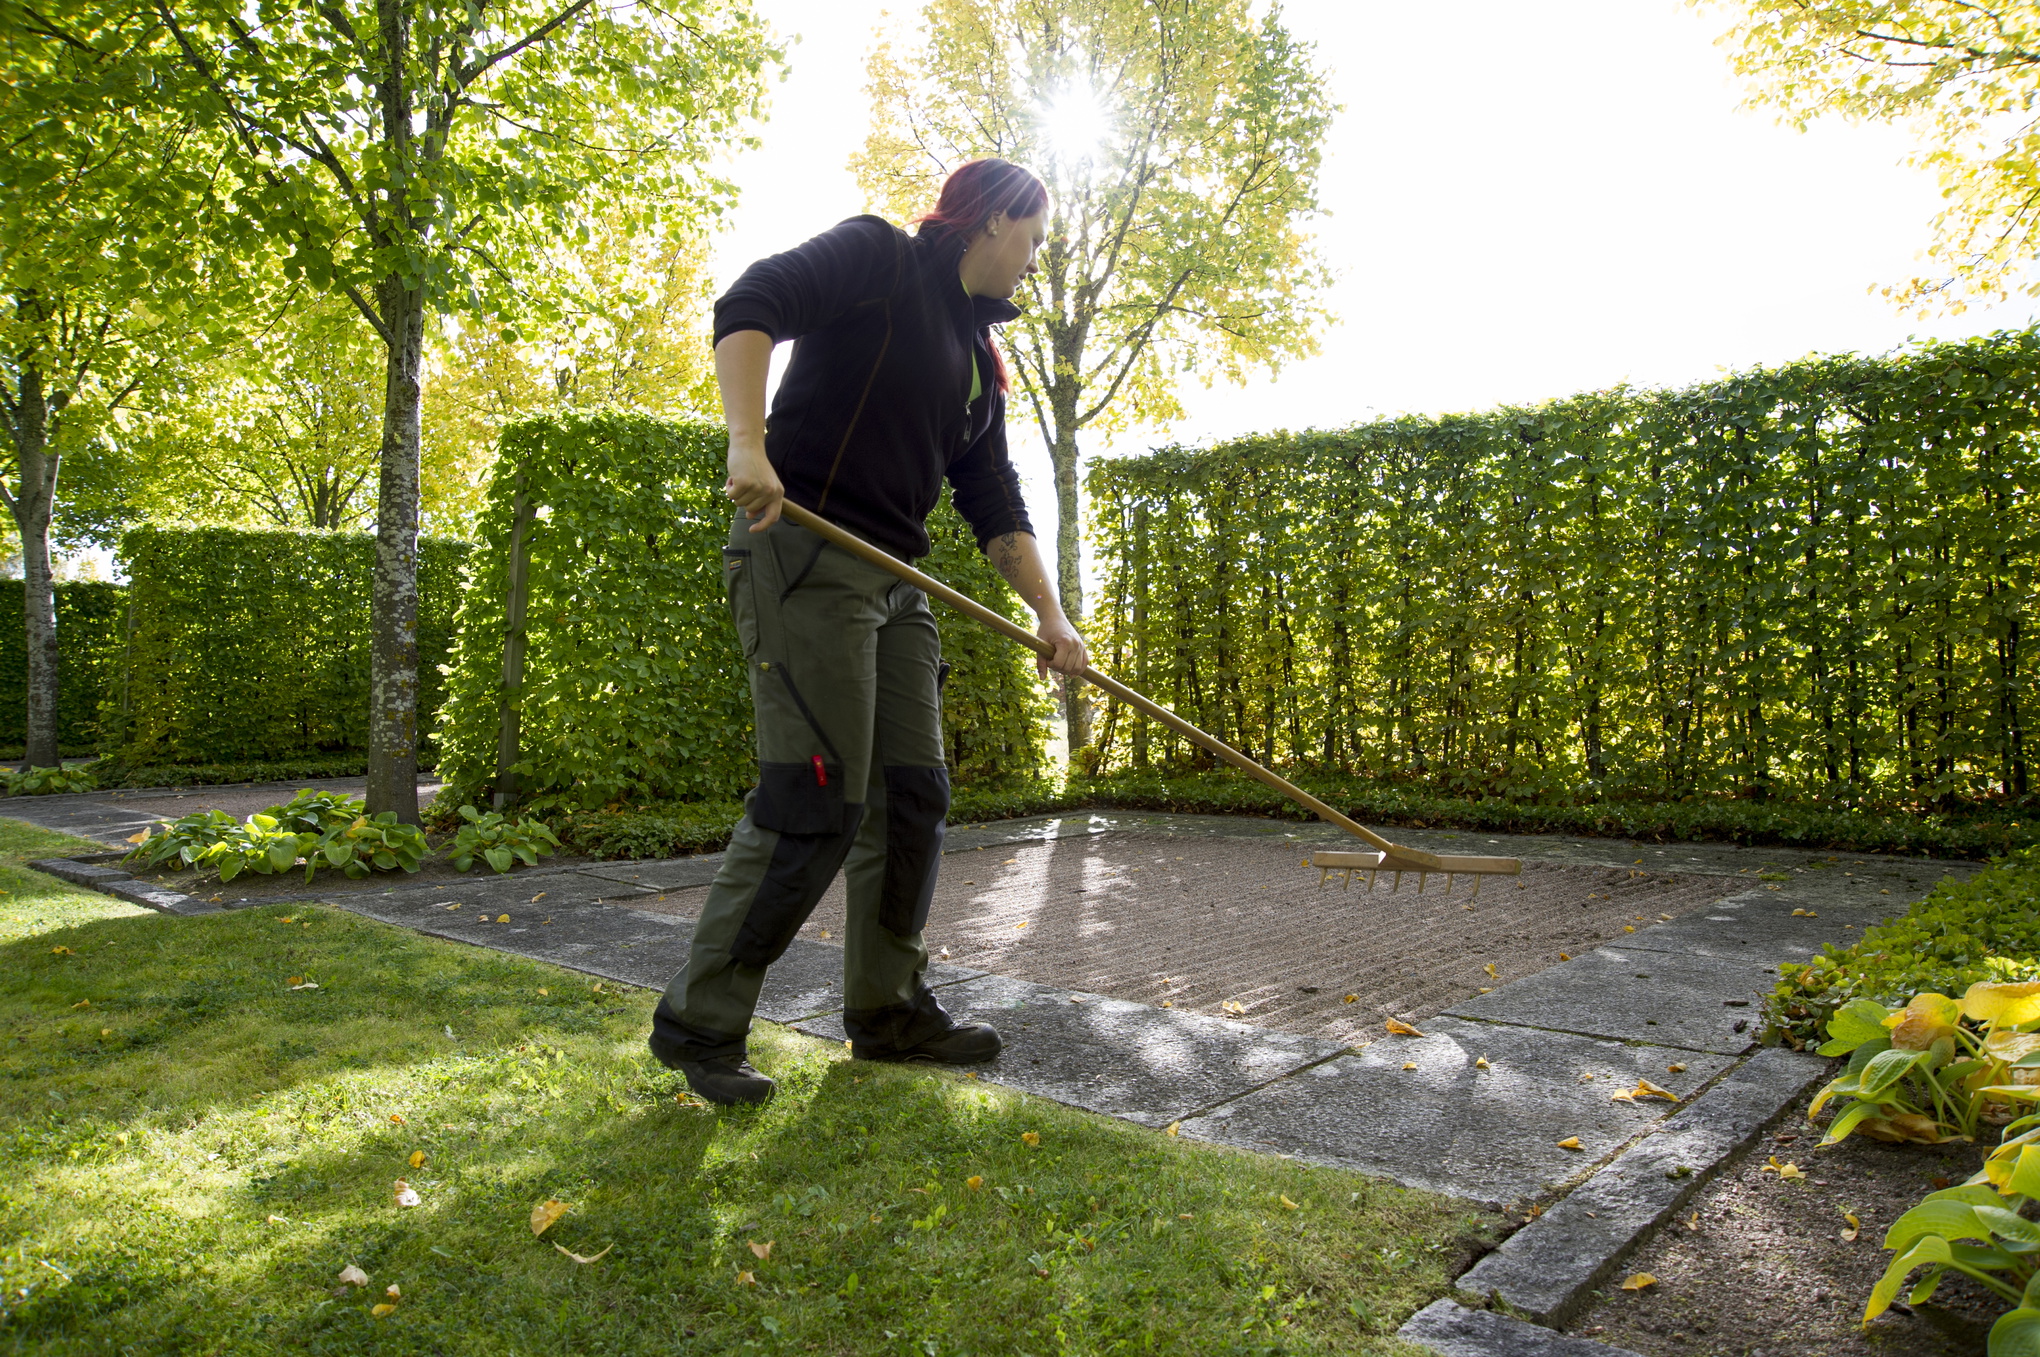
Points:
x=1004 y=254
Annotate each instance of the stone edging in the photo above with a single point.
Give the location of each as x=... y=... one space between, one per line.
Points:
x=112 y=881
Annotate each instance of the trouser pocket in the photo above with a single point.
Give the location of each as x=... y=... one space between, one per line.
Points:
x=800 y=798
x=737 y=572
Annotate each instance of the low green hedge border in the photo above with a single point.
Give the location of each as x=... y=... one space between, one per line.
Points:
x=1984 y=928
x=114 y=771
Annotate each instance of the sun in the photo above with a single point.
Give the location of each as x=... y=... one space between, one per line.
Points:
x=1077 y=124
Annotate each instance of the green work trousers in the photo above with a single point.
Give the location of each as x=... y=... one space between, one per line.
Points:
x=845 y=668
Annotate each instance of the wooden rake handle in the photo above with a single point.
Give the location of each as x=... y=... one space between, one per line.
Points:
x=1395 y=858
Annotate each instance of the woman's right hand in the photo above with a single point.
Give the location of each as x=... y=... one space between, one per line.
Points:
x=754 y=485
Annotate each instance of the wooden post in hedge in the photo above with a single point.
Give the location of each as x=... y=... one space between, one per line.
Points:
x=521 y=514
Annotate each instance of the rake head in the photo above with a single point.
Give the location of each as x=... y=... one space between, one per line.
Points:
x=1398 y=861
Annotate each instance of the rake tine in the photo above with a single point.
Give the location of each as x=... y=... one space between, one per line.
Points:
x=1476 y=888
x=1398 y=884
x=1448 y=883
x=1370 y=881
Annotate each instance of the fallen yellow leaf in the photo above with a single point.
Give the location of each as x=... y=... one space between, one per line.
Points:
x=1409 y=1064
x=106 y=1031
x=82 y=1003
x=406 y=1194
x=1402 y=1029
x=392 y=1292
x=1565 y=956
x=353 y=1276
x=294 y=981
x=1855 y=1227
x=1791 y=1171
x=1233 y=1006
x=743 y=1278
x=417 y=1160
x=1570 y=1143
x=545 y=1213
x=1693 y=1221
x=1286 y=1202
x=1676 y=1069
x=1623 y=1096
x=1174 y=1128
x=383 y=1309
x=1493 y=974
x=1480 y=1062
x=397 y=1119
x=592 y=1258
x=763 y=1252
x=1629 y=928
x=541 y=989
x=1351 y=999
x=62 y=951
x=502 y=918
x=139 y=838
x=1030 y=1138
x=1636 y=1281
x=538 y=897
x=974 y=1182
x=1646 y=1089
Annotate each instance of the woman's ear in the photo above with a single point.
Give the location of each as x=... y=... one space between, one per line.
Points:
x=995 y=223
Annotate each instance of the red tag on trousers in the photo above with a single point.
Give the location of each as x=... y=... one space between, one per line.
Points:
x=821 y=774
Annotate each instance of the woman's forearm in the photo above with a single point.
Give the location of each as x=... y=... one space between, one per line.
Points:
x=742 y=361
x=1017 y=557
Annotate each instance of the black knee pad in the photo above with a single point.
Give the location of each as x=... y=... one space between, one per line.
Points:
x=801 y=869
x=916 y=810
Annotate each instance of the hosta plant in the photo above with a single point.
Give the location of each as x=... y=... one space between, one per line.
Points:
x=45 y=781
x=182 y=839
x=315 y=812
x=369 y=843
x=1936 y=1069
x=259 y=844
x=498 y=842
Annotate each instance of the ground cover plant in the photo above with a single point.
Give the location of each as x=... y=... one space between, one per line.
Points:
x=207 y=1120
x=1985 y=928
x=499 y=841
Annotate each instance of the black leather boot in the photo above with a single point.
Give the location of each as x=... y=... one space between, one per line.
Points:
x=966 y=1044
x=726 y=1082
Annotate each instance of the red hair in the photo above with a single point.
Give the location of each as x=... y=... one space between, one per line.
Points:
x=971 y=197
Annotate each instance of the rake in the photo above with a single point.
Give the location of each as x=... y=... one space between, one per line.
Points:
x=1386 y=857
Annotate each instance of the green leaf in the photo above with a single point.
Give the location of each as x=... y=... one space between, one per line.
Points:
x=498 y=858
x=1854 y=1023
x=2016 y=1333
x=1926 y=1251
x=1885 y=1071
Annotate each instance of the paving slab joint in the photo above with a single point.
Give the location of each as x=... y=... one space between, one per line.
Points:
x=1548 y=1270
x=1209 y=1108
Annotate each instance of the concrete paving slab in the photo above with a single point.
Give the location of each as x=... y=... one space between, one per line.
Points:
x=517 y=895
x=80 y=873
x=1451 y=1330
x=1758 y=925
x=1148 y=1065
x=1450 y=1126
x=1667 y=998
x=155 y=897
x=664 y=874
x=1547 y=1270
x=1034 y=829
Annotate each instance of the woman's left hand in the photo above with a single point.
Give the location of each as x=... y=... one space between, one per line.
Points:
x=1070 y=655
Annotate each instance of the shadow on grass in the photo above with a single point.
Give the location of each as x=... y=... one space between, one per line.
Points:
x=194 y=1149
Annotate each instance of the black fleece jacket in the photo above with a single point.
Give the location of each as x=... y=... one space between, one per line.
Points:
x=874 y=409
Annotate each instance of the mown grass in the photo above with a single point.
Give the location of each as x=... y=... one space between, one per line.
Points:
x=193 y=1151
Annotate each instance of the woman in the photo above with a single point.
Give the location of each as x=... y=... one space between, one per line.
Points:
x=894 y=385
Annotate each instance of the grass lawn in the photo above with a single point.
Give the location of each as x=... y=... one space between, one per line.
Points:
x=193 y=1150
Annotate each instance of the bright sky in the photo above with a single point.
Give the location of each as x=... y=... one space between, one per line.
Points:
x=1525 y=201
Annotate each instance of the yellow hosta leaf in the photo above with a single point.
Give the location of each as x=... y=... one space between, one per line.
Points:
x=2011 y=1047
x=1402 y=1029
x=590 y=1258
x=353 y=1276
x=1030 y=1138
x=545 y=1213
x=1855 y=1227
x=417 y=1160
x=743 y=1278
x=762 y=1252
x=406 y=1194
x=1570 y=1143
x=1924 y=1021
x=976 y=1181
x=384 y=1309
x=1286 y=1202
x=2003 y=1005
x=1636 y=1281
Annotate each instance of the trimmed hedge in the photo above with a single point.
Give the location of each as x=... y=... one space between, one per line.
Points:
x=253 y=646
x=91 y=621
x=633 y=686
x=1809 y=582
x=116 y=771
x=1984 y=928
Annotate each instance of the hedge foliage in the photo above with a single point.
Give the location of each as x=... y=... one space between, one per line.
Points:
x=1984 y=928
x=633 y=690
x=1813 y=581
x=91 y=622
x=252 y=646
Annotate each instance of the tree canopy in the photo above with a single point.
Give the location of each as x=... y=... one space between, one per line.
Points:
x=1180 y=144
x=1965 y=77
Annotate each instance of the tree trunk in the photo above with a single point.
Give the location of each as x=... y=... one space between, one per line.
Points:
x=393 y=590
x=1069 y=552
x=32 y=503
